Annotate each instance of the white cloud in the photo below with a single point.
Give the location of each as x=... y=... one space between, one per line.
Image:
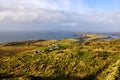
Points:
x=46 y=4
x=42 y=15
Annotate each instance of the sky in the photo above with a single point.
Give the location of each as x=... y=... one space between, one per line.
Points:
x=67 y=15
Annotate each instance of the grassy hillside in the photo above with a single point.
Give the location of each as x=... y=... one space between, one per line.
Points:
x=67 y=59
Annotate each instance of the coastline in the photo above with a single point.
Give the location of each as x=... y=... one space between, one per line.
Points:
x=80 y=35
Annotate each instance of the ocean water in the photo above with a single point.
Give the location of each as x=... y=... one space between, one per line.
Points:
x=43 y=35
x=34 y=35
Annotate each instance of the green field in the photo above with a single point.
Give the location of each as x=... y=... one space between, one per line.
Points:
x=67 y=59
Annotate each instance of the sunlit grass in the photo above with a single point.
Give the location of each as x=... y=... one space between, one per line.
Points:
x=73 y=61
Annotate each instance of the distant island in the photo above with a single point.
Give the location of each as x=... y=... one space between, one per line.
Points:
x=89 y=57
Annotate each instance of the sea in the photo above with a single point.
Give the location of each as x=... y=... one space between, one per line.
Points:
x=11 y=36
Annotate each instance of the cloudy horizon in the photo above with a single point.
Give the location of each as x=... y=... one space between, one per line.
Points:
x=68 y=15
